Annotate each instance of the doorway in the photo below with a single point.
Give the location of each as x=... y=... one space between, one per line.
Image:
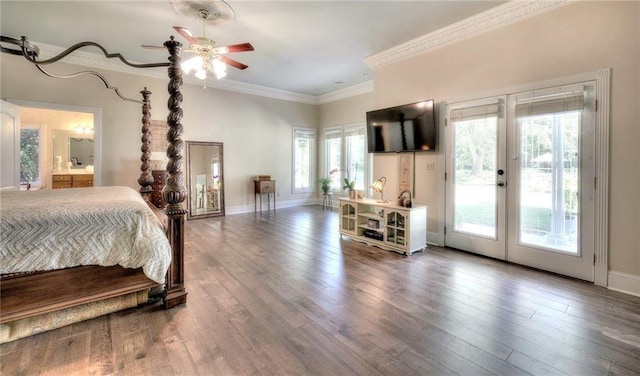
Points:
x=59 y=126
x=519 y=180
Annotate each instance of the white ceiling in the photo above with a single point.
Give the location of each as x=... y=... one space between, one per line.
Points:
x=308 y=47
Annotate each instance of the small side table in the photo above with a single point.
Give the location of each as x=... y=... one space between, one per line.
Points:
x=327 y=201
x=267 y=187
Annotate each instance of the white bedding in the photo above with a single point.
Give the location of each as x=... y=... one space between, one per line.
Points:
x=60 y=228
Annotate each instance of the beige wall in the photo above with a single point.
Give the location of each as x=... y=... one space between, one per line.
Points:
x=576 y=38
x=346 y=111
x=256 y=131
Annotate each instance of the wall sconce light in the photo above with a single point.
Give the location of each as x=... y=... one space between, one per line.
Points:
x=378 y=186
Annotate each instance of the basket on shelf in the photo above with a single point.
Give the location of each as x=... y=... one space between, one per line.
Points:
x=404 y=199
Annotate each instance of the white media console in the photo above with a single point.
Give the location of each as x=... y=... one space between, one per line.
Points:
x=384 y=225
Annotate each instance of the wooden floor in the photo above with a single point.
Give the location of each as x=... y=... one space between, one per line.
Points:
x=282 y=294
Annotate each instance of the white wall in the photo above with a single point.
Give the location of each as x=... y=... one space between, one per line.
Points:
x=576 y=38
x=256 y=131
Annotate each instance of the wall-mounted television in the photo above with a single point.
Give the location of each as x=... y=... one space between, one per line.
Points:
x=410 y=127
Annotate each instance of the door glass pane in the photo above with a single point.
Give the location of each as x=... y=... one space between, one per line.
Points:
x=549 y=155
x=474 y=180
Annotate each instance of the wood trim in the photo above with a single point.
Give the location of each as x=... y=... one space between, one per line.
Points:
x=51 y=291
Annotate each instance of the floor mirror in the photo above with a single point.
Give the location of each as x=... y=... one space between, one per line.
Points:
x=205 y=181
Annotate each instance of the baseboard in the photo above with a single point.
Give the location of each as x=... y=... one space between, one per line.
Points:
x=239 y=209
x=435 y=238
x=624 y=282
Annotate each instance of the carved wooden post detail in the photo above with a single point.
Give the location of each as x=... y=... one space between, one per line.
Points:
x=174 y=192
x=146 y=178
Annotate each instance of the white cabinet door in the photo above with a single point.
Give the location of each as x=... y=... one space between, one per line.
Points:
x=347 y=218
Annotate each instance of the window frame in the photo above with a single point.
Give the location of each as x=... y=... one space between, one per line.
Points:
x=311 y=134
x=341 y=173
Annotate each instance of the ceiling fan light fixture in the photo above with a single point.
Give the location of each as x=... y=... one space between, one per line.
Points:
x=192 y=64
x=201 y=74
x=219 y=68
x=201 y=64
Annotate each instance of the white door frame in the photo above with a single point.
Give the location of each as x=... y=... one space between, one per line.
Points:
x=10 y=146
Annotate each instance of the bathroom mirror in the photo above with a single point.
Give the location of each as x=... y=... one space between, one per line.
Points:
x=205 y=181
x=68 y=146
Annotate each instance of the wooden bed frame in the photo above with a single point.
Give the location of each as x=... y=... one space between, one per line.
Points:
x=26 y=295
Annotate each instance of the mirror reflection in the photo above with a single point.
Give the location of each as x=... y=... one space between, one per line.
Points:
x=204 y=179
x=71 y=150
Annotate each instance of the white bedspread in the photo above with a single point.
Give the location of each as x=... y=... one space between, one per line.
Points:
x=60 y=228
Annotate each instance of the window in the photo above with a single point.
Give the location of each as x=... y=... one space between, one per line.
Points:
x=333 y=153
x=346 y=156
x=304 y=140
x=29 y=156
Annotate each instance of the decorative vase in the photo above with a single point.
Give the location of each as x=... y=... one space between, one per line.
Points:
x=352 y=195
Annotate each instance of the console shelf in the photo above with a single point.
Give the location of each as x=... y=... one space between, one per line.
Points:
x=384 y=225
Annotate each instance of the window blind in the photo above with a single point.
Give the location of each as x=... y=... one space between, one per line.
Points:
x=332 y=133
x=304 y=133
x=353 y=131
x=475 y=112
x=550 y=104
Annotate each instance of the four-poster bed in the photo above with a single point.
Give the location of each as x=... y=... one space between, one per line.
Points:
x=38 y=299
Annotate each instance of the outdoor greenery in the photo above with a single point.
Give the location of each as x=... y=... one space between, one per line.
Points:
x=540 y=169
x=29 y=155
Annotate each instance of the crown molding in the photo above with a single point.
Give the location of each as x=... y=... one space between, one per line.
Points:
x=347 y=92
x=489 y=20
x=98 y=61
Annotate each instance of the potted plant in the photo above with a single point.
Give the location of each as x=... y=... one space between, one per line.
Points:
x=350 y=186
x=325 y=184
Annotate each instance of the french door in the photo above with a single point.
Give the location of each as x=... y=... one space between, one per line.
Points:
x=520 y=175
x=476 y=177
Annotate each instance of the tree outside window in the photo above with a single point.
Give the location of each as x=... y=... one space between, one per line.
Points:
x=29 y=156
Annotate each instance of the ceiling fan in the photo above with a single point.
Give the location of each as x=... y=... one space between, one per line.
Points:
x=209 y=56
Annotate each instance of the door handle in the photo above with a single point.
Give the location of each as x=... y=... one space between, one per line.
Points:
x=501 y=184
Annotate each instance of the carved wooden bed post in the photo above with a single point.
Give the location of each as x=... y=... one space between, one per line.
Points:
x=146 y=178
x=174 y=192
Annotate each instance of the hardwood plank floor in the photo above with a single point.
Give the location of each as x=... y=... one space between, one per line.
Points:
x=283 y=294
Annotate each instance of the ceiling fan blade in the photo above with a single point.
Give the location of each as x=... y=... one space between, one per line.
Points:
x=153 y=47
x=242 y=47
x=233 y=63
x=186 y=34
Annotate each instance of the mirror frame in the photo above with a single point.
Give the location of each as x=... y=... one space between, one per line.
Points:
x=190 y=213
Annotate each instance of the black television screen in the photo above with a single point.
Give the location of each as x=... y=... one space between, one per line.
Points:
x=410 y=127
